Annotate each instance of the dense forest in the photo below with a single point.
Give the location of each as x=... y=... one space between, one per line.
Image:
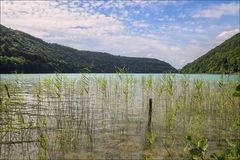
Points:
x=224 y=58
x=23 y=53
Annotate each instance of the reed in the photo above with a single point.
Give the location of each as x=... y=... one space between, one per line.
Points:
x=95 y=116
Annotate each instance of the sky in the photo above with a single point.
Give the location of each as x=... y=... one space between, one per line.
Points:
x=176 y=32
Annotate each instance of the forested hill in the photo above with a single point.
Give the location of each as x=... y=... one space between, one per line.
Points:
x=224 y=58
x=23 y=53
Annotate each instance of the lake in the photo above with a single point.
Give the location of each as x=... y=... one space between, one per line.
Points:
x=36 y=77
x=106 y=116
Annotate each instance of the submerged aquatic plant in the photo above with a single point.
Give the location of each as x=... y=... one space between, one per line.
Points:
x=197 y=148
x=43 y=139
x=237 y=91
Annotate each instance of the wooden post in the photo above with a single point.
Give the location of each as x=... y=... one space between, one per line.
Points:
x=148 y=132
x=150 y=114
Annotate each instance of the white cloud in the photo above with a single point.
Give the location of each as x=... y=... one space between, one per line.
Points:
x=149 y=55
x=174 y=48
x=140 y=24
x=199 y=30
x=218 y=11
x=183 y=28
x=226 y=34
x=125 y=13
x=46 y=17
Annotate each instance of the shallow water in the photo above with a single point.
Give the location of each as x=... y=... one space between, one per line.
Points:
x=105 y=116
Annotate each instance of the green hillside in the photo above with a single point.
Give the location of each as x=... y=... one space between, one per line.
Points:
x=224 y=58
x=23 y=53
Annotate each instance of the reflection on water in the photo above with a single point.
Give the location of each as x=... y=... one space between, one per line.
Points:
x=105 y=116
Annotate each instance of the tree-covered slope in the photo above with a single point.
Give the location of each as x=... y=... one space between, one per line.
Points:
x=224 y=58
x=21 y=52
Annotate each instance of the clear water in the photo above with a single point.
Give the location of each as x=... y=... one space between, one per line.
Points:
x=105 y=116
x=205 y=77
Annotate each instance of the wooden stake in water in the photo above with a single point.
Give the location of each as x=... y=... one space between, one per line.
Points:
x=150 y=114
x=148 y=133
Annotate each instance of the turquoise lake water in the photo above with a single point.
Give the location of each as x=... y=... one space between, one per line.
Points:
x=205 y=77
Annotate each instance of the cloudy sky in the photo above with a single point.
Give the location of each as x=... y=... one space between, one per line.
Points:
x=173 y=31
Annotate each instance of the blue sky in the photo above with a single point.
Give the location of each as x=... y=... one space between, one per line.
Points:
x=177 y=32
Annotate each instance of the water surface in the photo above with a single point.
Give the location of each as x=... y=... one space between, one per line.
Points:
x=105 y=116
